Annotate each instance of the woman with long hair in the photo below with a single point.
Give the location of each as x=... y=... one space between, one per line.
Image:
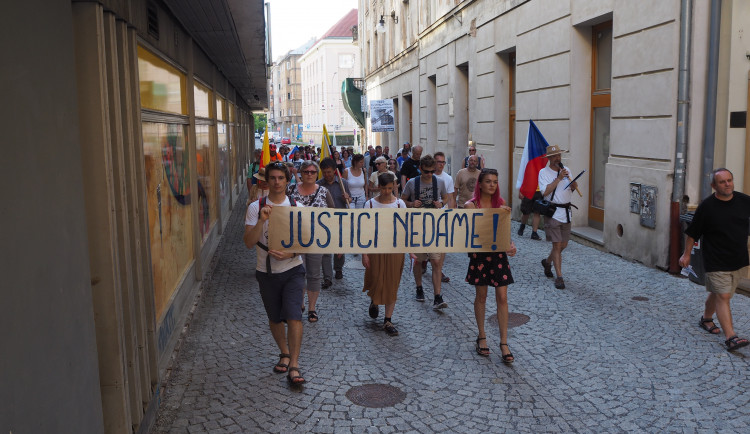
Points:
x=393 y=167
x=357 y=179
x=308 y=193
x=383 y=270
x=347 y=157
x=339 y=161
x=490 y=268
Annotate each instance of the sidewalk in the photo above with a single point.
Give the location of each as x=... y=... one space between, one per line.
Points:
x=591 y=358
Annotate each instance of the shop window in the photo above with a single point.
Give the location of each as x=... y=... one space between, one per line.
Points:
x=162 y=86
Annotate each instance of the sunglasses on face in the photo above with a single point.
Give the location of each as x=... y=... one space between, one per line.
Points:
x=310 y=172
x=428 y=171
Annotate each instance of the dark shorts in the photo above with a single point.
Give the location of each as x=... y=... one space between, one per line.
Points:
x=526 y=204
x=282 y=294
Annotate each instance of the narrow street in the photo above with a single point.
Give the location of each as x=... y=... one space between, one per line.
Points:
x=618 y=350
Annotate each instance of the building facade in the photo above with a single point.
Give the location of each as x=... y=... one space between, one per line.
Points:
x=122 y=183
x=286 y=80
x=599 y=78
x=332 y=59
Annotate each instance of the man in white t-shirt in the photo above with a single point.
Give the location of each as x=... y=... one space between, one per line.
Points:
x=280 y=274
x=451 y=203
x=552 y=182
x=427 y=191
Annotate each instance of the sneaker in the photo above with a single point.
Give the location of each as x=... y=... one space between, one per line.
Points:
x=559 y=283
x=373 y=311
x=439 y=303
x=388 y=327
x=521 y=229
x=327 y=283
x=420 y=294
x=535 y=236
x=547 y=268
x=339 y=275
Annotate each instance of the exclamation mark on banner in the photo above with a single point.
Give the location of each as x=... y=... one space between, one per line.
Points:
x=495 y=218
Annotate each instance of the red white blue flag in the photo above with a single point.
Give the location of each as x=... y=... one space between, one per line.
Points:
x=532 y=161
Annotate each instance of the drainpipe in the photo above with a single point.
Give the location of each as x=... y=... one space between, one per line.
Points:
x=683 y=106
x=709 y=131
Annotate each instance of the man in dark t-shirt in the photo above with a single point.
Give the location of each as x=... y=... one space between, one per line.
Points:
x=410 y=168
x=722 y=221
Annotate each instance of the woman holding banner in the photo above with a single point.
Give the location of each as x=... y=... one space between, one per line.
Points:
x=383 y=270
x=490 y=268
x=357 y=179
x=308 y=193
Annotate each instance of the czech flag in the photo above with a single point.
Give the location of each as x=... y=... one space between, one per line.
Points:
x=532 y=162
x=265 y=156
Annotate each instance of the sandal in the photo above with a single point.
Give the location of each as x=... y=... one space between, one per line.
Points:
x=507 y=358
x=713 y=329
x=735 y=343
x=281 y=368
x=312 y=316
x=445 y=279
x=297 y=380
x=484 y=352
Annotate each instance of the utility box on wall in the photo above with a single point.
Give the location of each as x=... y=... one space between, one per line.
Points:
x=648 y=206
x=643 y=202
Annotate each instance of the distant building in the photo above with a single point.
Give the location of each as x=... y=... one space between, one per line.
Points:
x=332 y=59
x=599 y=78
x=287 y=96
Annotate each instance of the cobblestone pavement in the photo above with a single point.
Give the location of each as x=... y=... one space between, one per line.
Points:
x=590 y=359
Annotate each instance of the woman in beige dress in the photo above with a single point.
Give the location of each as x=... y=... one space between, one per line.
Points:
x=383 y=270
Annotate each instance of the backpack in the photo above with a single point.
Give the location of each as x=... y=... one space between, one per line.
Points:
x=261 y=204
x=417 y=190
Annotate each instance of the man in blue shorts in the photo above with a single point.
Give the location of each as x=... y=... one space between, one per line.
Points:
x=280 y=274
x=722 y=221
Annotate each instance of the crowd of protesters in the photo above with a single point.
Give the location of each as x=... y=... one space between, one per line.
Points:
x=413 y=180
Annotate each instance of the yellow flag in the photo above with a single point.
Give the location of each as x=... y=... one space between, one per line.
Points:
x=265 y=156
x=325 y=149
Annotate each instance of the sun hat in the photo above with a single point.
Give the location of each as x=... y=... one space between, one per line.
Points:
x=554 y=150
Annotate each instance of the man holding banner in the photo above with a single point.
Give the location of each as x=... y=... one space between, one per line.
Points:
x=339 y=191
x=280 y=274
x=427 y=191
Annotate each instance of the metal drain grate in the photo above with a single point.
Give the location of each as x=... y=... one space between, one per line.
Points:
x=376 y=395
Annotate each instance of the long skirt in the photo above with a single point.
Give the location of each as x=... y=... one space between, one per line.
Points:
x=383 y=277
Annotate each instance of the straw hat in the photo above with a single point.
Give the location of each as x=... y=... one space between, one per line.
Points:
x=554 y=150
x=260 y=175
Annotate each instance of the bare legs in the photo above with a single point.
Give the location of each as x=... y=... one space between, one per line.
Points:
x=719 y=303
x=501 y=299
x=437 y=274
x=555 y=256
x=288 y=339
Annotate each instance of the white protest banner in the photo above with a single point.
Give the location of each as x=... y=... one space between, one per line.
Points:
x=381 y=115
x=389 y=230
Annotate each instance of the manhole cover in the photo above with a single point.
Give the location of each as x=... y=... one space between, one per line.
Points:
x=514 y=319
x=375 y=395
x=639 y=298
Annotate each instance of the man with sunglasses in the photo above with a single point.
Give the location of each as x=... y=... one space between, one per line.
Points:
x=280 y=274
x=427 y=191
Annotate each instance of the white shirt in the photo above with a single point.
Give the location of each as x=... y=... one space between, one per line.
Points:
x=546 y=177
x=448 y=181
x=277 y=266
